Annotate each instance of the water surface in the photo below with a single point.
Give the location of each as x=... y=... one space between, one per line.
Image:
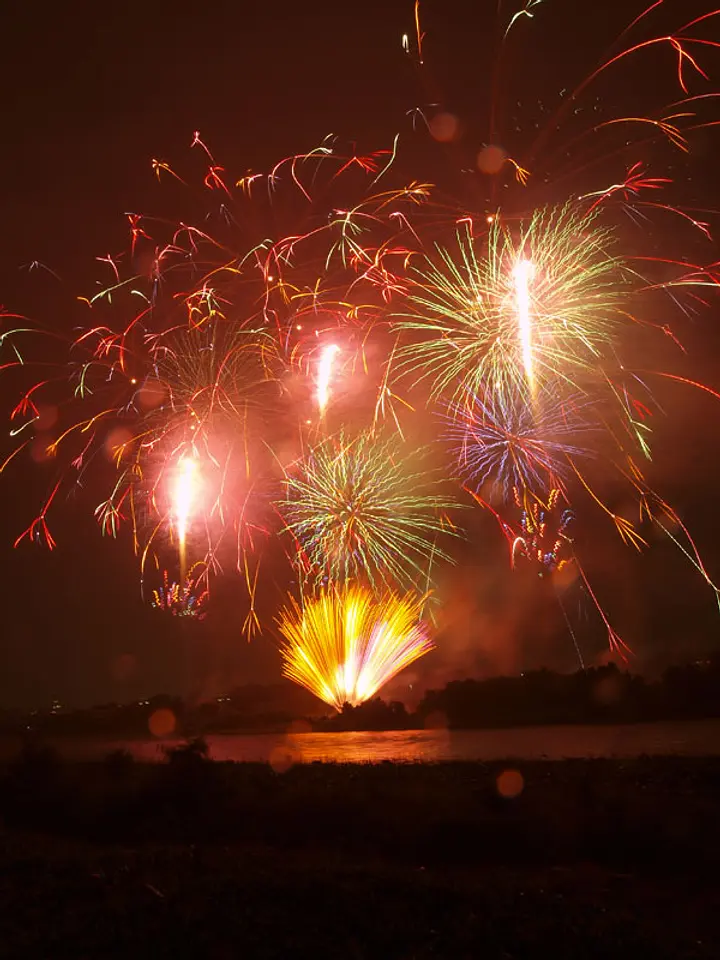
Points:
x=690 y=738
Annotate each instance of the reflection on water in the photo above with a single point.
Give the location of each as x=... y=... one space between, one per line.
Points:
x=694 y=738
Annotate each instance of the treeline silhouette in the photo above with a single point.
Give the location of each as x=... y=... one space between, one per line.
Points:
x=598 y=695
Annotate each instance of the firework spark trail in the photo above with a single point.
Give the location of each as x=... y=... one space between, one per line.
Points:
x=345 y=644
x=522 y=274
x=578 y=651
x=325 y=369
x=616 y=643
x=676 y=41
x=544 y=542
x=184 y=494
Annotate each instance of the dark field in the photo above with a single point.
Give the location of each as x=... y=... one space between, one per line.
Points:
x=592 y=858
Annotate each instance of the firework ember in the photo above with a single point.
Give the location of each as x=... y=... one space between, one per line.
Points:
x=181 y=600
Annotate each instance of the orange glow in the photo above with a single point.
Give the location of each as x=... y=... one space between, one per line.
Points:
x=162 y=723
x=510 y=784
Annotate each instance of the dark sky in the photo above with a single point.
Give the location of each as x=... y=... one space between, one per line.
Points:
x=90 y=93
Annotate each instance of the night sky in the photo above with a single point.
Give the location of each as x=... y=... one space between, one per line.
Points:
x=90 y=94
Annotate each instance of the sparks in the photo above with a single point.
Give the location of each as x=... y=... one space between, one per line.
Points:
x=523 y=274
x=344 y=645
x=184 y=495
x=459 y=324
x=364 y=508
x=323 y=376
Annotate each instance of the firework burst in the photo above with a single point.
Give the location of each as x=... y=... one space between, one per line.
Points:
x=362 y=509
x=345 y=644
x=511 y=444
x=526 y=303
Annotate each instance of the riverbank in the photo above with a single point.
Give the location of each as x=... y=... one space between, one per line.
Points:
x=602 y=857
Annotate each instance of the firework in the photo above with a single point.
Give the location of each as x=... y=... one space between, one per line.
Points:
x=475 y=321
x=185 y=600
x=189 y=358
x=512 y=445
x=184 y=494
x=544 y=540
x=345 y=644
x=325 y=366
x=523 y=272
x=361 y=508
x=544 y=545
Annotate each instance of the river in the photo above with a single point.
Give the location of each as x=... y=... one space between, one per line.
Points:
x=690 y=738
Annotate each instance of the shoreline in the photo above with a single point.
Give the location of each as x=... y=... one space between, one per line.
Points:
x=691 y=738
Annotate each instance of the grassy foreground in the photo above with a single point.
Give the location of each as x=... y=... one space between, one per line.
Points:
x=589 y=859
